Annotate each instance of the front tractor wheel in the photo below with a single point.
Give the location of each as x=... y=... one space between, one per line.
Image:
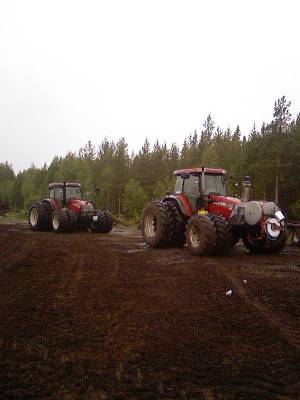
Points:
x=108 y=225
x=201 y=236
x=158 y=225
x=60 y=221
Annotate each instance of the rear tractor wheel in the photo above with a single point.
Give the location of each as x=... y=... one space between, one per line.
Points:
x=38 y=217
x=201 y=236
x=180 y=221
x=158 y=225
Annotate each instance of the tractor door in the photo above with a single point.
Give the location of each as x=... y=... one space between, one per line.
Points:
x=56 y=194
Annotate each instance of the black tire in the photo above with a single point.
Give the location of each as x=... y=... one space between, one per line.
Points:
x=108 y=222
x=99 y=225
x=38 y=217
x=60 y=221
x=201 y=235
x=158 y=225
x=224 y=241
x=265 y=246
x=296 y=237
x=49 y=210
x=73 y=221
x=180 y=222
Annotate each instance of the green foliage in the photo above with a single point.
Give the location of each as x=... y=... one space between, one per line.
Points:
x=135 y=199
x=19 y=215
x=164 y=186
x=270 y=154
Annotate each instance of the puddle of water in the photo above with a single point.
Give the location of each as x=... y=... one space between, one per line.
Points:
x=134 y=250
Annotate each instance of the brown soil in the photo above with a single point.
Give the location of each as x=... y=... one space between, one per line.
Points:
x=91 y=316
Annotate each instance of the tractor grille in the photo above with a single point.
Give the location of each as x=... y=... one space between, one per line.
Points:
x=87 y=209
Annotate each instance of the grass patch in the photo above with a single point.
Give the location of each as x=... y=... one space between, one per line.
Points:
x=130 y=222
x=15 y=216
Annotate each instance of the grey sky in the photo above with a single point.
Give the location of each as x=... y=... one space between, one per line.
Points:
x=71 y=71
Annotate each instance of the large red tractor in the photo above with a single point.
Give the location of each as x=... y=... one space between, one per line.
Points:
x=201 y=214
x=64 y=210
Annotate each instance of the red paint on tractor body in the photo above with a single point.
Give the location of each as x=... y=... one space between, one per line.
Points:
x=76 y=204
x=222 y=205
x=184 y=200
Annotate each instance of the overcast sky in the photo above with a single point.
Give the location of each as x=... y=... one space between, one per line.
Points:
x=71 y=71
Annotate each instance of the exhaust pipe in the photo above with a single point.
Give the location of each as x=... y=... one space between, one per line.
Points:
x=64 y=199
x=246 y=188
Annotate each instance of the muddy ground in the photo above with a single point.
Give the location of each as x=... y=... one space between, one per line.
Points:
x=91 y=316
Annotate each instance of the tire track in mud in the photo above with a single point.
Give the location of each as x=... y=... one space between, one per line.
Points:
x=271 y=319
x=261 y=363
x=14 y=252
x=100 y=316
x=280 y=345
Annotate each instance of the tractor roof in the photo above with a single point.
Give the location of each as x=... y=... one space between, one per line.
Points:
x=198 y=170
x=61 y=184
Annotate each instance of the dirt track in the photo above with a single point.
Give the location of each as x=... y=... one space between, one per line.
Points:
x=87 y=316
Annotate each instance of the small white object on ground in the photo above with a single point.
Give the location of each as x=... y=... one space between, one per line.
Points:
x=228 y=293
x=245 y=281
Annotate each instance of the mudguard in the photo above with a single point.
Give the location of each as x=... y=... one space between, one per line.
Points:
x=182 y=202
x=52 y=203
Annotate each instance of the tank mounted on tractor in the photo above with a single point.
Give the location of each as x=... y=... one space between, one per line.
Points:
x=64 y=210
x=201 y=214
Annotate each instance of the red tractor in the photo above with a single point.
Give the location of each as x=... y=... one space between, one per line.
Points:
x=64 y=210
x=201 y=214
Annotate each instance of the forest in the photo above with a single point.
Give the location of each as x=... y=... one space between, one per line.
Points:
x=270 y=154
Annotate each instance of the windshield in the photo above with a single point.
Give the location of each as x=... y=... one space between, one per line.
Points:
x=73 y=192
x=214 y=184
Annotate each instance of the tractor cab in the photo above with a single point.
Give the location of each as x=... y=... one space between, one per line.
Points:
x=62 y=192
x=198 y=188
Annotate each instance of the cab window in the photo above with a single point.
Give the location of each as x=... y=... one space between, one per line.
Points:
x=214 y=184
x=51 y=193
x=58 y=193
x=178 y=185
x=190 y=189
x=73 y=192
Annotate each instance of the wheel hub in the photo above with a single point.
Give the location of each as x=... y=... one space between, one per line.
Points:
x=150 y=225
x=55 y=222
x=195 y=236
x=33 y=217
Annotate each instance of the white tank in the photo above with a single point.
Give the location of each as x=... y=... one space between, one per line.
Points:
x=253 y=212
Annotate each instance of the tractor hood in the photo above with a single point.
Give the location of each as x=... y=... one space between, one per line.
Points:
x=81 y=206
x=225 y=201
x=222 y=204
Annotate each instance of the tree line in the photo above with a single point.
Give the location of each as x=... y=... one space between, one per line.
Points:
x=270 y=155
